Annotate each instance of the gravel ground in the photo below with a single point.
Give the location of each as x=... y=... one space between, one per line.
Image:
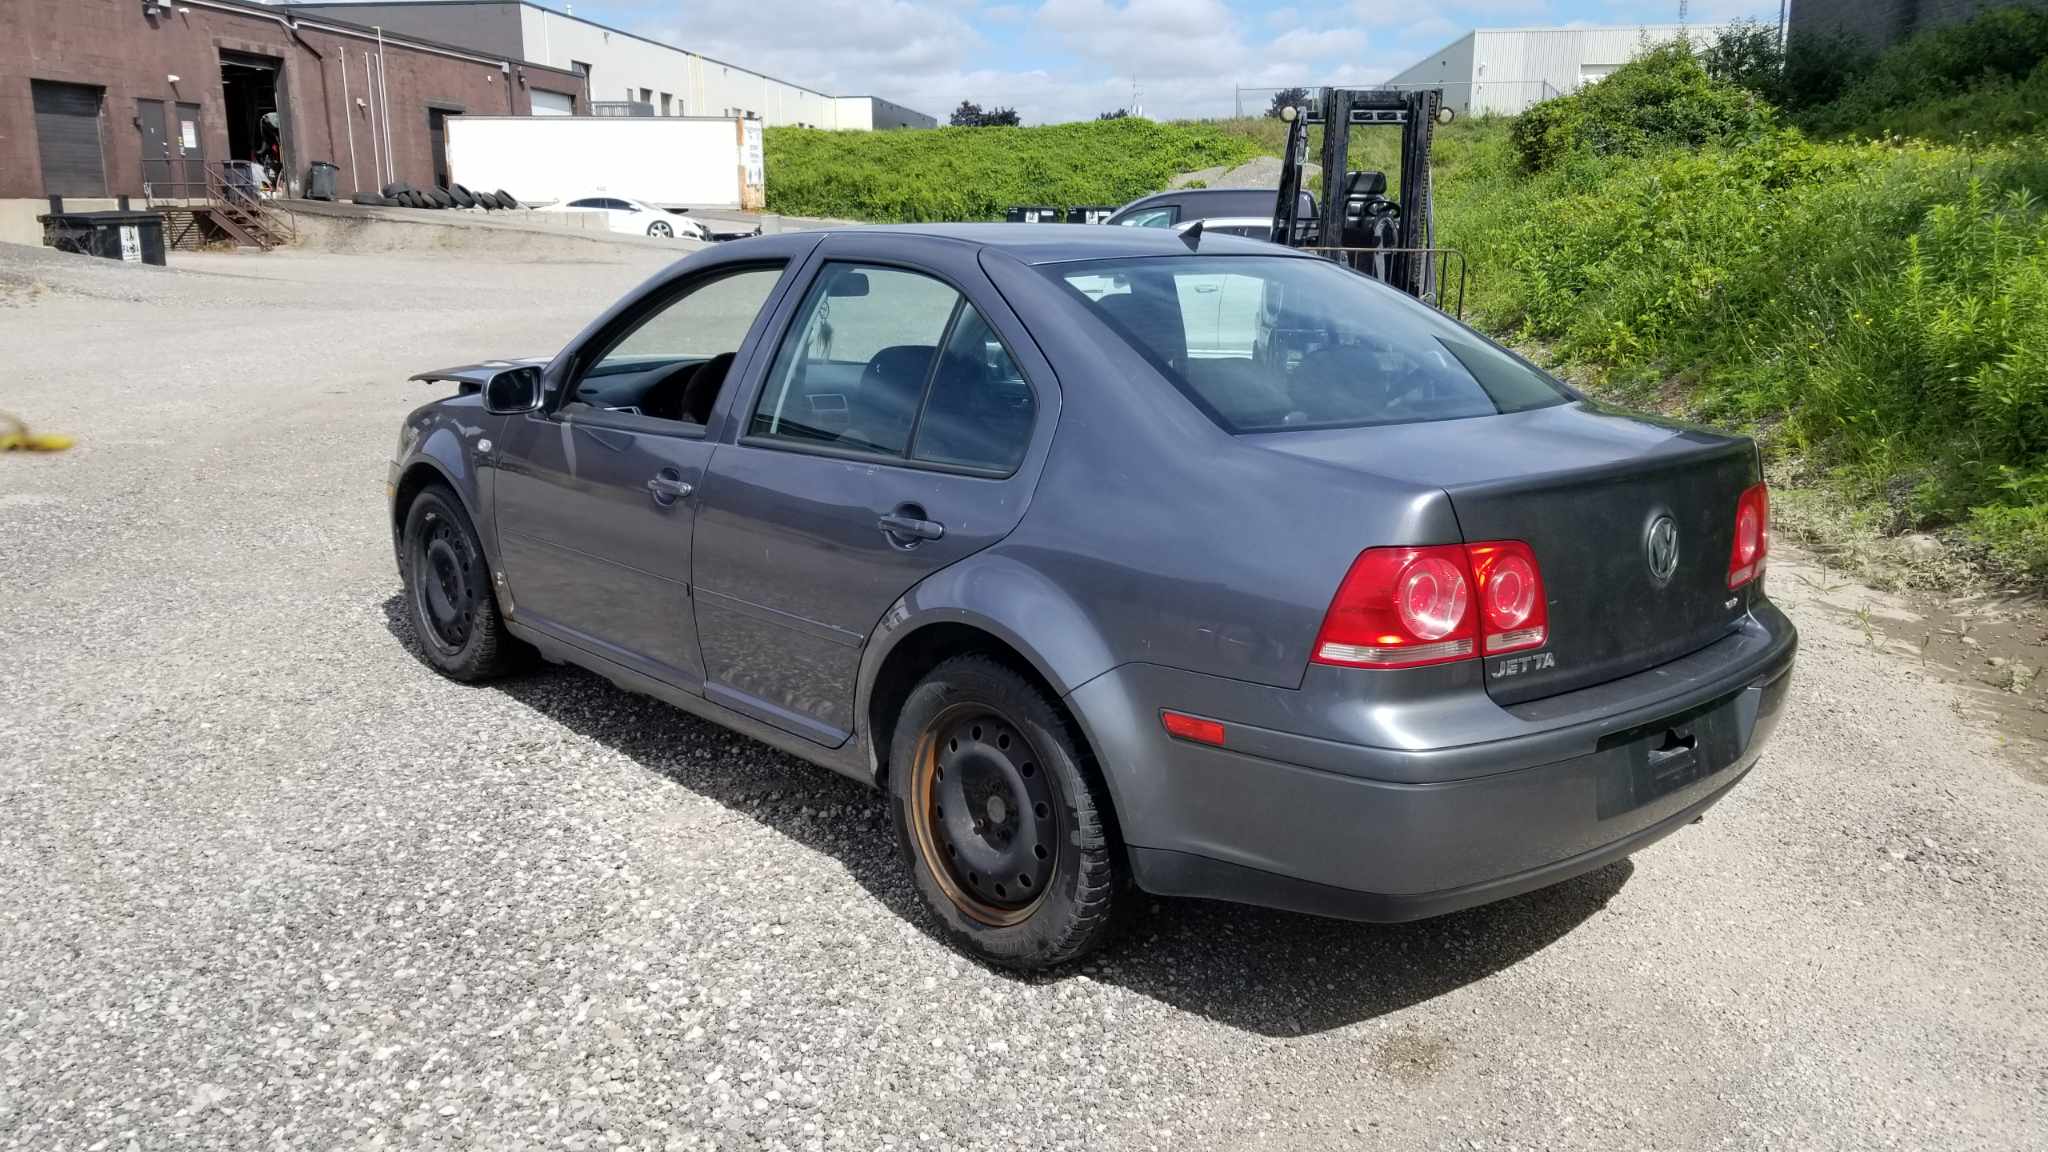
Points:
x=268 y=881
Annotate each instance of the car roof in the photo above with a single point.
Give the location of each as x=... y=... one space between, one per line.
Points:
x=1204 y=194
x=1056 y=243
x=1225 y=222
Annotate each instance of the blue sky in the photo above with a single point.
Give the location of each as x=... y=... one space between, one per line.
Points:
x=1069 y=59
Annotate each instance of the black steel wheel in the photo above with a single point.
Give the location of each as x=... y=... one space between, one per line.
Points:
x=986 y=816
x=1002 y=817
x=448 y=590
x=449 y=583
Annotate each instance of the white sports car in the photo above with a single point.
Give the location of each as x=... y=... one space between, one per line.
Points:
x=635 y=216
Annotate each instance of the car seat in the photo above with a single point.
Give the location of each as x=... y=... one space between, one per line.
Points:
x=891 y=387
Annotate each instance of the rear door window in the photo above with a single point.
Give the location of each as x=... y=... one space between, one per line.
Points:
x=1264 y=344
x=852 y=370
x=892 y=362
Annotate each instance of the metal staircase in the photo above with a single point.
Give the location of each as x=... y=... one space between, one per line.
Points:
x=223 y=205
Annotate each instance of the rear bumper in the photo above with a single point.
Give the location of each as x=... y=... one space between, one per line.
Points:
x=1367 y=833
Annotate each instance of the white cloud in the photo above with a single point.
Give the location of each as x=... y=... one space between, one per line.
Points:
x=1083 y=55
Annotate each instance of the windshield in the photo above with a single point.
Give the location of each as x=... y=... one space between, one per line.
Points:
x=1265 y=344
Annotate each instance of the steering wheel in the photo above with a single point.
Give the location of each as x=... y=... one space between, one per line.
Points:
x=664 y=398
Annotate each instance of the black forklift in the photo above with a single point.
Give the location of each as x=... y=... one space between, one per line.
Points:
x=1392 y=239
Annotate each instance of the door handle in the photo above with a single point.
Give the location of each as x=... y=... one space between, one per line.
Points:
x=907 y=529
x=668 y=487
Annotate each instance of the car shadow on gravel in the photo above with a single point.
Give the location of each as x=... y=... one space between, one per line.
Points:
x=1272 y=973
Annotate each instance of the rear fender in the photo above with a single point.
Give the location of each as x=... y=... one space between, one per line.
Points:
x=1005 y=598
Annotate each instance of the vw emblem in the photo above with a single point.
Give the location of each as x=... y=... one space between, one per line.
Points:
x=1660 y=546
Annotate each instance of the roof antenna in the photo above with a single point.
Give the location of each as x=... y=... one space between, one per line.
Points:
x=1193 y=234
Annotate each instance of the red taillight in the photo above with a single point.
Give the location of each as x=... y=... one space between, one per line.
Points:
x=1513 y=613
x=1405 y=607
x=1192 y=727
x=1399 y=608
x=1752 y=536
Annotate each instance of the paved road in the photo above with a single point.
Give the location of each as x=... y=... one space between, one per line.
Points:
x=266 y=881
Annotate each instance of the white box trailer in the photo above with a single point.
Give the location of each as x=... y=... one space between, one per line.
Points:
x=671 y=161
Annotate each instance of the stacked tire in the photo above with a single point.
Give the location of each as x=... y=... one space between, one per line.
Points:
x=403 y=195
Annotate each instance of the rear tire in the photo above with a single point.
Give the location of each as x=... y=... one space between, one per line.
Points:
x=1003 y=820
x=448 y=594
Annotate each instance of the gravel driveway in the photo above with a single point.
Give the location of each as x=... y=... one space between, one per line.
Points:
x=265 y=880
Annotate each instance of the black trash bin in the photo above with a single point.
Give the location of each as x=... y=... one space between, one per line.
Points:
x=320 y=181
x=1090 y=213
x=243 y=180
x=1033 y=214
x=137 y=237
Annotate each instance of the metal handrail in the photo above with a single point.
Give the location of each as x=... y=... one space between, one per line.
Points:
x=241 y=203
x=1441 y=255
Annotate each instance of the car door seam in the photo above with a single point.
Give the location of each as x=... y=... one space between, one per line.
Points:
x=605 y=560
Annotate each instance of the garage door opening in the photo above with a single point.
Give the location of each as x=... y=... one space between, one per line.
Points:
x=437 y=140
x=546 y=103
x=68 y=138
x=251 y=103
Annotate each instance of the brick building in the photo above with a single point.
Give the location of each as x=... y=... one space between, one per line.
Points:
x=1881 y=23
x=99 y=97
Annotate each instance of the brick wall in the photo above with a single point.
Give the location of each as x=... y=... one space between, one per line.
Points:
x=1884 y=22
x=115 y=45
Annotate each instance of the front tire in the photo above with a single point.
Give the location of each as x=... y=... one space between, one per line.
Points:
x=661 y=229
x=1003 y=820
x=448 y=591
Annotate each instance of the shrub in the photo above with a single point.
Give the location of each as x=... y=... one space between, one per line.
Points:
x=1663 y=98
x=1747 y=54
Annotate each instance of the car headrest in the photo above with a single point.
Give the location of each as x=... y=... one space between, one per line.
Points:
x=893 y=381
x=1159 y=328
x=1366 y=184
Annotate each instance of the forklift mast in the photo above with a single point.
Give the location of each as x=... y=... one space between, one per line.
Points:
x=1357 y=225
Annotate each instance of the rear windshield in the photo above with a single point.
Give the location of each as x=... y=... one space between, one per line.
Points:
x=1266 y=344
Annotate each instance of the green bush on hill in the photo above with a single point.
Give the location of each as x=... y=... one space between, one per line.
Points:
x=976 y=173
x=1661 y=99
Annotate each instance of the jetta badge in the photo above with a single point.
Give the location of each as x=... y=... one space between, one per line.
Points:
x=1660 y=546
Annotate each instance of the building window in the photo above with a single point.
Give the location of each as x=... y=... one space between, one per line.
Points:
x=667 y=104
x=68 y=138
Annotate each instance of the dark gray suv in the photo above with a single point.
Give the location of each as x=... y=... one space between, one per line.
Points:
x=1119 y=559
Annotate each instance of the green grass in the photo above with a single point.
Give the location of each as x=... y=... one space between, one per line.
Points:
x=976 y=173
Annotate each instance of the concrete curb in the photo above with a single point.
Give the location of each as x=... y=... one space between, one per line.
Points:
x=346 y=227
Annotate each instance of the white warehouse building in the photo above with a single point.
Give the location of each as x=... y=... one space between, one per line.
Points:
x=1501 y=71
x=621 y=71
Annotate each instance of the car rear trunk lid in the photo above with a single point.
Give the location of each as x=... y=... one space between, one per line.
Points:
x=1583 y=487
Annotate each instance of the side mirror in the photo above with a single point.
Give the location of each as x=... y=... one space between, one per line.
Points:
x=513 y=390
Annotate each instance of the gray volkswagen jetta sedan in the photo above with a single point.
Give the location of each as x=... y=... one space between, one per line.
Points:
x=1121 y=560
